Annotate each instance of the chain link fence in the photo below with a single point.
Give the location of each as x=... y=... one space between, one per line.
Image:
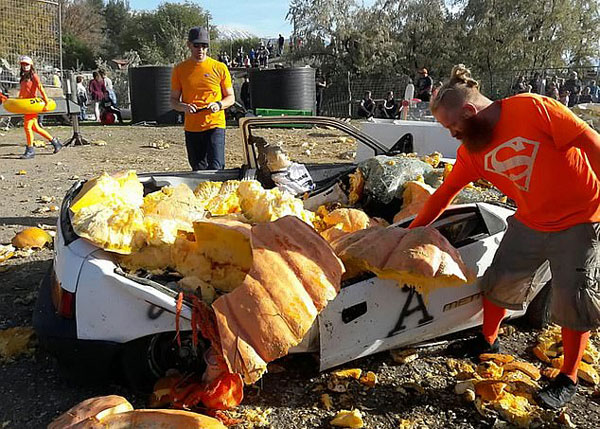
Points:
x=30 y=27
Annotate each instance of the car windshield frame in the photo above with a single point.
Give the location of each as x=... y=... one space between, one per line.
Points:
x=251 y=152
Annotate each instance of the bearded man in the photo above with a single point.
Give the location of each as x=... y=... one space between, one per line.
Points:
x=547 y=160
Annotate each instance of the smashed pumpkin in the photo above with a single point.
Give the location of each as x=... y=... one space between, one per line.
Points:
x=176 y=203
x=118 y=229
x=350 y=220
x=15 y=342
x=294 y=275
x=348 y=419
x=219 y=255
x=420 y=257
x=94 y=408
x=107 y=211
x=119 y=189
x=260 y=205
x=32 y=237
x=414 y=196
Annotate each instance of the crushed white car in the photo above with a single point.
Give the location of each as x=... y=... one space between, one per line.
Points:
x=96 y=318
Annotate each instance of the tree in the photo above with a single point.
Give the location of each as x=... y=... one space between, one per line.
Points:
x=118 y=16
x=82 y=32
x=162 y=34
x=77 y=55
x=83 y=19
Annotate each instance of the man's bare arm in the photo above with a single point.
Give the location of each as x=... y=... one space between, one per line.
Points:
x=590 y=144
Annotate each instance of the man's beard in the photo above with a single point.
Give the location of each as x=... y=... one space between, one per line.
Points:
x=477 y=134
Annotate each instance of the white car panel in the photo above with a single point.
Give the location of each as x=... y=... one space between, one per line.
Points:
x=68 y=260
x=111 y=307
x=428 y=137
x=378 y=305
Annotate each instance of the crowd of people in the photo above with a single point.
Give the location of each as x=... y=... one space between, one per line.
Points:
x=98 y=92
x=390 y=107
x=569 y=91
x=257 y=56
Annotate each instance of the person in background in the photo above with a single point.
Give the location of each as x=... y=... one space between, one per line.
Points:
x=366 y=108
x=424 y=85
x=594 y=91
x=201 y=87
x=436 y=88
x=390 y=106
x=519 y=86
x=82 y=97
x=109 y=87
x=245 y=92
x=538 y=85
x=552 y=90
x=573 y=85
x=320 y=84
x=97 y=91
x=563 y=96
x=280 y=45
x=547 y=160
x=30 y=86
x=585 y=96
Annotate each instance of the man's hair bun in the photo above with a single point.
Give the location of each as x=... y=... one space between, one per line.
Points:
x=462 y=75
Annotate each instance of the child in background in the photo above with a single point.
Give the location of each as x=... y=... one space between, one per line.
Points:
x=30 y=85
x=82 y=97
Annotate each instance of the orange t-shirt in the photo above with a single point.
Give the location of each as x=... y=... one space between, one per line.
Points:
x=533 y=159
x=201 y=83
x=29 y=88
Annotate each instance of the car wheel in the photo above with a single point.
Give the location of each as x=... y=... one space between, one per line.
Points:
x=145 y=360
x=538 y=311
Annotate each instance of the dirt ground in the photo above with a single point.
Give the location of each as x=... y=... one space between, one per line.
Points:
x=33 y=391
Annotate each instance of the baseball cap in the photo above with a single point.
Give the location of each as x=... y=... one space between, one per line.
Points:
x=198 y=35
x=25 y=59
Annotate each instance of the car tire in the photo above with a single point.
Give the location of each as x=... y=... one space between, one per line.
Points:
x=538 y=311
x=145 y=360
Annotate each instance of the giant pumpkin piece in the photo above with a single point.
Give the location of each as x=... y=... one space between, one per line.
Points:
x=118 y=229
x=261 y=205
x=294 y=274
x=219 y=254
x=414 y=196
x=420 y=257
x=107 y=212
x=116 y=412
x=177 y=204
x=119 y=189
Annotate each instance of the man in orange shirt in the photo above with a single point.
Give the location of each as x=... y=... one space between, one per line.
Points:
x=547 y=160
x=201 y=87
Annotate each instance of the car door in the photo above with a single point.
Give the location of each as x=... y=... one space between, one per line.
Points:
x=374 y=315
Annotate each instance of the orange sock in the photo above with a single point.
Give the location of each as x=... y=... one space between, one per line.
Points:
x=574 y=343
x=492 y=317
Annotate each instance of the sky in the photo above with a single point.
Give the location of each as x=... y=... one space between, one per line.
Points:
x=263 y=18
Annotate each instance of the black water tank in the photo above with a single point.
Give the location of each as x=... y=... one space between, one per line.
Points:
x=291 y=88
x=150 y=89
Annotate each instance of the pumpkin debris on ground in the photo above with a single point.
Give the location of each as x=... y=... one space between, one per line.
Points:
x=32 y=237
x=501 y=386
x=348 y=419
x=16 y=342
x=550 y=351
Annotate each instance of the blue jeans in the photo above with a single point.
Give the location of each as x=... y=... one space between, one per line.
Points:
x=206 y=149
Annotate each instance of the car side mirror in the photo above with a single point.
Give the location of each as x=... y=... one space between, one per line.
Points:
x=403 y=145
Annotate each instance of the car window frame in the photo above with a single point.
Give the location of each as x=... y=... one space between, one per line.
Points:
x=251 y=152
